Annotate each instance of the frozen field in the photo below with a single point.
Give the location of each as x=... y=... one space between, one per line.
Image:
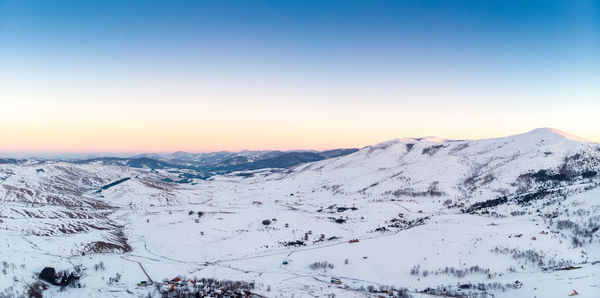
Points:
x=508 y=217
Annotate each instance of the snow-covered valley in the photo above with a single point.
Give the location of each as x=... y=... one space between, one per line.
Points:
x=517 y=216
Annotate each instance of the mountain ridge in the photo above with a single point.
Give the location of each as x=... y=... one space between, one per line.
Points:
x=467 y=217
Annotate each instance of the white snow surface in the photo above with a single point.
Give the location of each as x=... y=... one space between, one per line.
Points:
x=408 y=205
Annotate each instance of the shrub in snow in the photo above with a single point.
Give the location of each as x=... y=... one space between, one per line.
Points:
x=533 y=257
x=99 y=266
x=35 y=289
x=415 y=270
x=115 y=279
x=431 y=191
x=321 y=265
x=293 y=243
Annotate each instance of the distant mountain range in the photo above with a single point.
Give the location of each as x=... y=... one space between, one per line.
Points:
x=205 y=165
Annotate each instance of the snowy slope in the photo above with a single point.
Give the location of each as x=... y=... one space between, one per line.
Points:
x=432 y=217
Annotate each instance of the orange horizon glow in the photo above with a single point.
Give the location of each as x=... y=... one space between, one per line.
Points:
x=88 y=127
x=139 y=142
x=69 y=126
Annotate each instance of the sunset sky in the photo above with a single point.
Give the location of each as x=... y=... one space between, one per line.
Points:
x=149 y=76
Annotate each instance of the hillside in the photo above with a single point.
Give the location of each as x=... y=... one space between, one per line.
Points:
x=503 y=217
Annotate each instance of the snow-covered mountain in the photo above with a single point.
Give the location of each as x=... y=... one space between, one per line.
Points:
x=511 y=216
x=468 y=171
x=206 y=165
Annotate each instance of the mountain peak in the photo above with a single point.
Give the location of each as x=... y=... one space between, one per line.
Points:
x=548 y=132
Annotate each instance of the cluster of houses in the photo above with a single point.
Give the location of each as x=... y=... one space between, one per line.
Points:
x=182 y=287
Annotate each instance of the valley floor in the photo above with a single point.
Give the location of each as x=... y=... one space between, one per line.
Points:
x=229 y=241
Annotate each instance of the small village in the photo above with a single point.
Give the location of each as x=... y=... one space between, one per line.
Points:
x=175 y=287
x=204 y=287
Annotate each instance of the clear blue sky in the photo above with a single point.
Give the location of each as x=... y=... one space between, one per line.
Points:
x=208 y=75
